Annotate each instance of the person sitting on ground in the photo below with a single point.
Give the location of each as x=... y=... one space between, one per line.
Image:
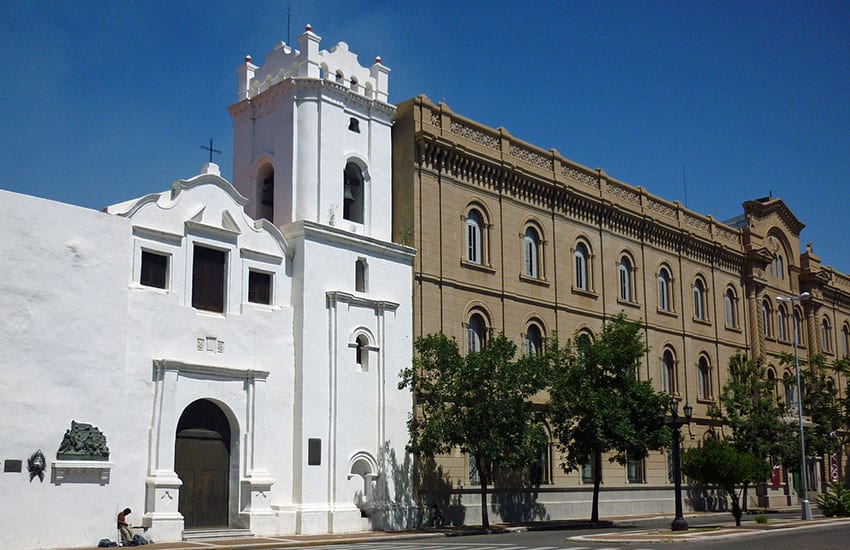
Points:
x=124 y=527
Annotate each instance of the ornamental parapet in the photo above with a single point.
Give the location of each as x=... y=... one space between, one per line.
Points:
x=466 y=146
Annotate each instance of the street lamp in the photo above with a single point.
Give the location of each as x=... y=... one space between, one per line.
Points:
x=806 y=508
x=679 y=523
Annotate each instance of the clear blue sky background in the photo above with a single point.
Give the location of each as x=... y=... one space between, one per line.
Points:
x=105 y=101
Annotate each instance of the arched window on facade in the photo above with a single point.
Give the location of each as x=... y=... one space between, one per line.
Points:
x=265 y=192
x=474 y=237
x=767 y=318
x=626 y=276
x=700 y=311
x=532 y=253
x=584 y=339
x=665 y=302
x=582 y=266
x=771 y=378
x=703 y=378
x=731 y=302
x=668 y=372
x=790 y=391
x=826 y=335
x=361 y=352
x=845 y=334
x=476 y=333
x=777 y=267
x=798 y=335
x=533 y=339
x=782 y=322
x=353 y=193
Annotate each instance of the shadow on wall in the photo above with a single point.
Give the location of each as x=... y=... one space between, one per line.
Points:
x=397 y=507
x=438 y=504
x=422 y=495
x=516 y=498
x=707 y=499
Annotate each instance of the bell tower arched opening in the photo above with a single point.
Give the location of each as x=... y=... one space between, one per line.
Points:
x=265 y=193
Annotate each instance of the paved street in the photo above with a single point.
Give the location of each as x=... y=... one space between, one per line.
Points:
x=707 y=531
x=469 y=545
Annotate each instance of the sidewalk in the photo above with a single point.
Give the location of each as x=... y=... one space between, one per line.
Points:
x=723 y=529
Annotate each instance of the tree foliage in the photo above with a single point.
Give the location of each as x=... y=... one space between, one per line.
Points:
x=479 y=402
x=823 y=404
x=753 y=413
x=599 y=405
x=721 y=464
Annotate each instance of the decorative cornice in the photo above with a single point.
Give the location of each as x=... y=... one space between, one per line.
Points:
x=162 y=365
x=312 y=230
x=157 y=235
x=211 y=230
x=618 y=206
x=335 y=297
x=296 y=86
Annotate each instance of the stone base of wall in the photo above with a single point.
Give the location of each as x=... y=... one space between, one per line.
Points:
x=517 y=506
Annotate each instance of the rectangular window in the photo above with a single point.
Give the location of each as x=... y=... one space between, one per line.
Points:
x=154 y=271
x=473 y=472
x=635 y=471
x=259 y=287
x=538 y=472
x=587 y=471
x=670 y=472
x=208 y=279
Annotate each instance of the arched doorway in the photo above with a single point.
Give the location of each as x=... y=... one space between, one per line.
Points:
x=202 y=462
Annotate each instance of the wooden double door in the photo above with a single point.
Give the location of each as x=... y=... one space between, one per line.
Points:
x=202 y=462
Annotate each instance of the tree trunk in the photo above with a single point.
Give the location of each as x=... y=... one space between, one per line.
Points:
x=597 y=481
x=485 y=518
x=744 y=500
x=736 y=507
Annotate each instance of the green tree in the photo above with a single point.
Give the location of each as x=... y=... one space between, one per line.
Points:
x=598 y=405
x=752 y=411
x=721 y=464
x=479 y=402
x=823 y=404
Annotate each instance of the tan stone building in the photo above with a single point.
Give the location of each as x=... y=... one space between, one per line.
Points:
x=514 y=238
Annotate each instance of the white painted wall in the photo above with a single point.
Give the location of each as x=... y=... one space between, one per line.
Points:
x=82 y=340
x=63 y=286
x=367 y=412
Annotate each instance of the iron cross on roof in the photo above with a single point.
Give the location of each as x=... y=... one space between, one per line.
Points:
x=211 y=149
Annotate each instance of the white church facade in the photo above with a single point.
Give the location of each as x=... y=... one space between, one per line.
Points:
x=237 y=346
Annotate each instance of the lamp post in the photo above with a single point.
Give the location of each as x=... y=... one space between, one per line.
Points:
x=806 y=508
x=679 y=523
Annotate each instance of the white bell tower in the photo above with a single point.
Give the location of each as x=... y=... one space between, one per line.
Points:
x=312 y=138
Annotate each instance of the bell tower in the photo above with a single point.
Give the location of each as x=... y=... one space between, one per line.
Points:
x=312 y=138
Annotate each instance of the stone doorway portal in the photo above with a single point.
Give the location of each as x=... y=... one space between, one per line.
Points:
x=202 y=462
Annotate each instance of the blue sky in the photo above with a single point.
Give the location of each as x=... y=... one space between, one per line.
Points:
x=106 y=101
